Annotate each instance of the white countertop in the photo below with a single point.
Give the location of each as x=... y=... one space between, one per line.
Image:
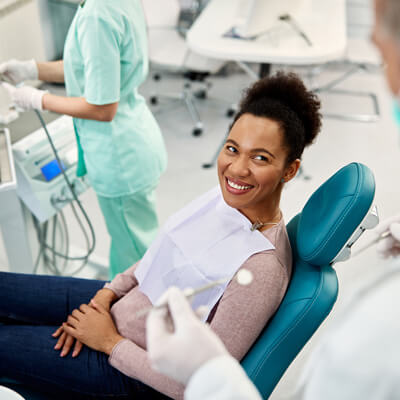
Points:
x=323 y=21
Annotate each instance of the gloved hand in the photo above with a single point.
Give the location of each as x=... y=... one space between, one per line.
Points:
x=389 y=246
x=18 y=71
x=25 y=97
x=178 y=343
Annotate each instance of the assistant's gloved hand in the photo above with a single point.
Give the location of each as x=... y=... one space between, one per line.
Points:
x=18 y=71
x=178 y=343
x=389 y=246
x=25 y=97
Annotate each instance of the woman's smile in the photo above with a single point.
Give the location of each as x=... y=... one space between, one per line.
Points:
x=237 y=187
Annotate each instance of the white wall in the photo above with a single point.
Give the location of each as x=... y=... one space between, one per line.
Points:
x=359 y=18
x=20 y=33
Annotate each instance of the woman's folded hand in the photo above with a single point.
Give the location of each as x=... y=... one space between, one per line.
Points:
x=105 y=298
x=93 y=326
x=65 y=342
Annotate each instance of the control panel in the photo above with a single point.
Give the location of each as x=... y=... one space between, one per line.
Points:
x=41 y=184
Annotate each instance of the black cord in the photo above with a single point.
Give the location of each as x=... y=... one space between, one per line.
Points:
x=41 y=248
x=53 y=238
x=65 y=238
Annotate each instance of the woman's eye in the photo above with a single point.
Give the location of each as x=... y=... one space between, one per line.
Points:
x=261 y=158
x=231 y=149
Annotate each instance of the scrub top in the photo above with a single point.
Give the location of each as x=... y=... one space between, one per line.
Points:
x=105 y=60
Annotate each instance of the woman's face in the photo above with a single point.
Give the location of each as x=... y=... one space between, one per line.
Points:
x=251 y=166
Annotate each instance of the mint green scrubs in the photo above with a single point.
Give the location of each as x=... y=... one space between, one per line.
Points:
x=105 y=60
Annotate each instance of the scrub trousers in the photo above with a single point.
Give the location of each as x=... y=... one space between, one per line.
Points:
x=32 y=307
x=132 y=224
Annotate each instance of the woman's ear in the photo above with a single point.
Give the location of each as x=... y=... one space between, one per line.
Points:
x=291 y=170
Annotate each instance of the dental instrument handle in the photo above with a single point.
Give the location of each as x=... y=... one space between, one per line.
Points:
x=187 y=294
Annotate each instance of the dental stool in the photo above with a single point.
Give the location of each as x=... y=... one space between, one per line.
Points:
x=321 y=234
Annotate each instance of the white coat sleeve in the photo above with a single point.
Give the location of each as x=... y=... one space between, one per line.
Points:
x=358 y=358
x=221 y=378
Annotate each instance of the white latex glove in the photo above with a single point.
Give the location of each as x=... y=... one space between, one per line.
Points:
x=389 y=246
x=178 y=343
x=25 y=97
x=18 y=71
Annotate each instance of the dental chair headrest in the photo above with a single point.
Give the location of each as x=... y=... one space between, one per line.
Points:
x=348 y=193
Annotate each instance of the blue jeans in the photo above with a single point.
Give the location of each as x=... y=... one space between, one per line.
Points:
x=31 y=308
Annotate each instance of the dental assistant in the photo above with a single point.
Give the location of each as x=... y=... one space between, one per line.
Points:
x=120 y=146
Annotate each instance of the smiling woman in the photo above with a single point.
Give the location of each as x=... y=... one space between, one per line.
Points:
x=237 y=225
x=277 y=118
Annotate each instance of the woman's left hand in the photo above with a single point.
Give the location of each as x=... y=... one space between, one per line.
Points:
x=93 y=326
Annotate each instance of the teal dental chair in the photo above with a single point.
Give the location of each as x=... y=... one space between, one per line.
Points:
x=322 y=233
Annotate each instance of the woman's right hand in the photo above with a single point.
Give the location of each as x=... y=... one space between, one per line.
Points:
x=105 y=297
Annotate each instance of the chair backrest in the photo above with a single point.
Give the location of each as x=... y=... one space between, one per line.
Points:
x=317 y=234
x=167 y=46
x=161 y=13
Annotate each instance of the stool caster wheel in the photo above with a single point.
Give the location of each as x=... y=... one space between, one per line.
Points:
x=201 y=94
x=157 y=77
x=230 y=113
x=197 y=131
x=153 y=100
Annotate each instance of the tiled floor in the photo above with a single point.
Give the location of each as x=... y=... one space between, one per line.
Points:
x=340 y=142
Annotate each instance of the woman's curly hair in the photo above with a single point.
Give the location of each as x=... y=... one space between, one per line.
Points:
x=284 y=98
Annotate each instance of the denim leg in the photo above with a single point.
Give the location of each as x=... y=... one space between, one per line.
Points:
x=27 y=355
x=40 y=299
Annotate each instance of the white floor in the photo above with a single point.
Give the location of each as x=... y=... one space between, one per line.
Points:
x=340 y=142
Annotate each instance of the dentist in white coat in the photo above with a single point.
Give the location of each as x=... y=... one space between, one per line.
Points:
x=359 y=357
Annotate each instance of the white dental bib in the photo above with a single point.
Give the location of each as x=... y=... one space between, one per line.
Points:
x=205 y=241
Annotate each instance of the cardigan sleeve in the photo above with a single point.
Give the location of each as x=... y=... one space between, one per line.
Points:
x=132 y=360
x=123 y=282
x=243 y=311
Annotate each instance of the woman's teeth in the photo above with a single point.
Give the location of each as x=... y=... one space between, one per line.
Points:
x=235 y=186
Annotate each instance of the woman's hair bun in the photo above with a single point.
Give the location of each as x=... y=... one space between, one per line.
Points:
x=288 y=90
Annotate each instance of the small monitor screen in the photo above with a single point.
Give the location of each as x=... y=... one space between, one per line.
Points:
x=51 y=170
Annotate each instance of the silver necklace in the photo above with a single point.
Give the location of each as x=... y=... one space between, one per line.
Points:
x=258 y=224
